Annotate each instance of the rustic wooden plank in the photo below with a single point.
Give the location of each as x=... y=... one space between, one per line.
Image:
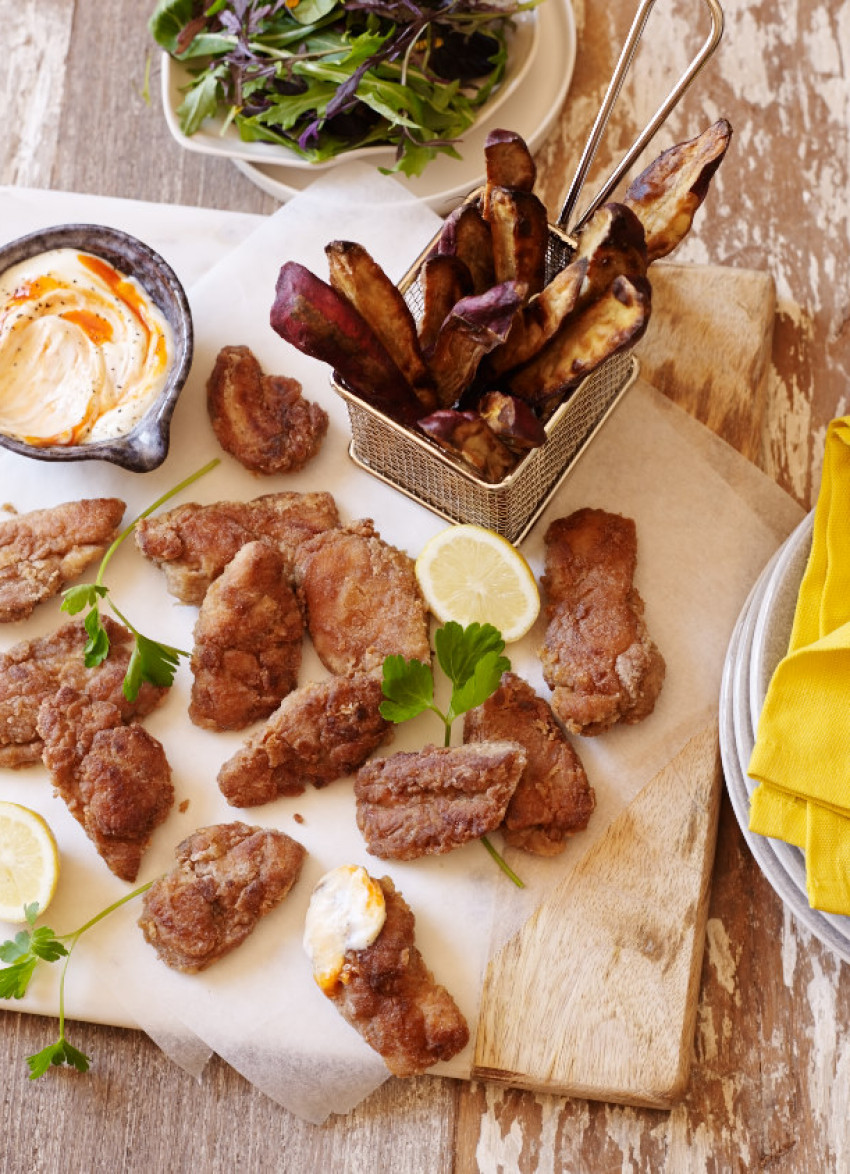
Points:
x=693 y=352
x=136 y=1112
x=112 y=136
x=606 y=971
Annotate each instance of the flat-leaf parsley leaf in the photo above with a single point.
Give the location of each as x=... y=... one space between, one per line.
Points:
x=471 y=658
x=150 y=661
x=24 y=952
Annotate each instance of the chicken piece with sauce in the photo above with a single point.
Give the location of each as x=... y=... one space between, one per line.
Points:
x=359 y=935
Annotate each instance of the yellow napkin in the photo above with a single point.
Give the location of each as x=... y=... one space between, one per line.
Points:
x=801 y=758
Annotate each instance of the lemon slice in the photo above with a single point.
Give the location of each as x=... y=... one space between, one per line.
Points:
x=29 y=862
x=469 y=574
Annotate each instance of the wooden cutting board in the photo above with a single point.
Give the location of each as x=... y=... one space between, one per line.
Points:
x=607 y=970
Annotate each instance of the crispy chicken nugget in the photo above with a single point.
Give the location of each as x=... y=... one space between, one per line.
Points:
x=429 y=802
x=320 y=732
x=248 y=639
x=43 y=550
x=597 y=655
x=114 y=777
x=226 y=878
x=553 y=799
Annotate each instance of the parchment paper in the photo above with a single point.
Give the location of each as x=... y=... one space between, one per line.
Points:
x=707 y=522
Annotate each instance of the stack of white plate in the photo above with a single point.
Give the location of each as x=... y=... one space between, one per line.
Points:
x=758 y=643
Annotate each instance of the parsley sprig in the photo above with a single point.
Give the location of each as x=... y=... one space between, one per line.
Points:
x=24 y=952
x=150 y=660
x=471 y=658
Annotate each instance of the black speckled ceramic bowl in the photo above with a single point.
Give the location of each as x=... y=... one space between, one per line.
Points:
x=146 y=446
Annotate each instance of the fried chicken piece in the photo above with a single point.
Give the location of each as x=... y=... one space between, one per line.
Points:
x=43 y=550
x=320 y=732
x=35 y=669
x=248 y=639
x=392 y=999
x=597 y=656
x=114 y=777
x=262 y=420
x=429 y=802
x=194 y=543
x=363 y=601
x=553 y=799
x=226 y=878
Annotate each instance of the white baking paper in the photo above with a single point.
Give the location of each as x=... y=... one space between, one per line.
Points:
x=707 y=521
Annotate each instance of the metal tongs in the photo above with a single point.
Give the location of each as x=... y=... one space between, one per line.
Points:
x=567 y=233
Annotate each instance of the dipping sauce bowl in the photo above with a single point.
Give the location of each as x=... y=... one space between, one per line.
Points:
x=75 y=343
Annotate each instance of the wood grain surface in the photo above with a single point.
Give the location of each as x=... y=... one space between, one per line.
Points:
x=608 y=966
x=768 y=1087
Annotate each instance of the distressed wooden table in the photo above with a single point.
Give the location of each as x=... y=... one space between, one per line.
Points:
x=770 y=1083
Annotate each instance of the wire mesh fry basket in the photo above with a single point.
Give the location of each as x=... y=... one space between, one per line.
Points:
x=415 y=465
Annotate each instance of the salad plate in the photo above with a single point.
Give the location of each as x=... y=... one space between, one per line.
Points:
x=220 y=137
x=534 y=105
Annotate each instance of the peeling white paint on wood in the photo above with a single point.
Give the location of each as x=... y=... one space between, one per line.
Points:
x=36 y=35
x=721 y=958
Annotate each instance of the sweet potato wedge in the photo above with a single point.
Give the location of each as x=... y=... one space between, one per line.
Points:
x=468 y=436
x=318 y=321
x=466 y=235
x=508 y=161
x=608 y=325
x=612 y=242
x=668 y=193
x=539 y=320
x=512 y=420
x=519 y=227
x=475 y=326
x=360 y=279
x=443 y=280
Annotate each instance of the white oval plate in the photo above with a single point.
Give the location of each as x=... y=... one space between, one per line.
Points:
x=763 y=626
x=531 y=112
x=214 y=138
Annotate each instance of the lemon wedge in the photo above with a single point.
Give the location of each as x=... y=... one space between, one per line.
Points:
x=472 y=575
x=29 y=862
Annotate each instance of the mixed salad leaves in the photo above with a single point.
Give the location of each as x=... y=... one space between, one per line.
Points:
x=323 y=77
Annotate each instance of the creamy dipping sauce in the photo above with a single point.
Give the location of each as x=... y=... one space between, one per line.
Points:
x=84 y=351
x=347 y=912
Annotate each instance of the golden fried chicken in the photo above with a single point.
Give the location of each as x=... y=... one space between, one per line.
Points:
x=597 y=656
x=262 y=420
x=194 y=543
x=429 y=802
x=114 y=777
x=248 y=638
x=226 y=878
x=553 y=799
x=388 y=994
x=320 y=732
x=42 y=551
x=363 y=601
x=35 y=669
